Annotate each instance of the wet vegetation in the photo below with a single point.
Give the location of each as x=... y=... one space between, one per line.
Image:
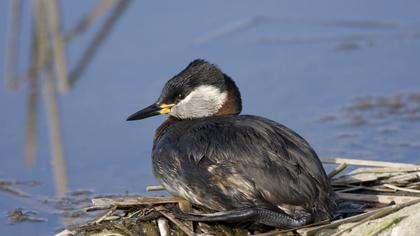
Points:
x=379 y=109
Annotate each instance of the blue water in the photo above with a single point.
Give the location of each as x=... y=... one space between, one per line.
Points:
x=295 y=62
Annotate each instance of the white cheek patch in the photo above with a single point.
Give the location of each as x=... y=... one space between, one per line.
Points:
x=203 y=101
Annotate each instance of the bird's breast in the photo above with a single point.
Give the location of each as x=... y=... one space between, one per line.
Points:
x=163 y=128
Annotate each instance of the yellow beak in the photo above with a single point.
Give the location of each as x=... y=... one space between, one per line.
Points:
x=166 y=108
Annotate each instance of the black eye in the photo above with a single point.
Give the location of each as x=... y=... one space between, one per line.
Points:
x=179 y=97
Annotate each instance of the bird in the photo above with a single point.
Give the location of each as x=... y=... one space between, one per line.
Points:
x=243 y=168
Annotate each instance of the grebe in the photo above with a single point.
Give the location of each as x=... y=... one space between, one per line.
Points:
x=245 y=168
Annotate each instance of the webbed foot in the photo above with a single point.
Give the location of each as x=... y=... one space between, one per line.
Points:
x=255 y=215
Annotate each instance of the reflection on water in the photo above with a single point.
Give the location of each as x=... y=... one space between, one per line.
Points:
x=392 y=31
x=48 y=71
x=278 y=53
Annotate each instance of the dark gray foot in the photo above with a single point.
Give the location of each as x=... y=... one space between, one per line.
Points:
x=256 y=215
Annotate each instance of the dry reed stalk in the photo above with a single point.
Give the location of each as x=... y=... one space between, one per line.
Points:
x=58 y=44
x=414 y=185
x=103 y=216
x=183 y=227
x=31 y=123
x=401 y=189
x=97 y=41
x=333 y=160
x=361 y=178
x=13 y=31
x=403 y=178
x=41 y=47
x=349 y=189
x=155 y=188
x=379 y=189
x=163 y=226
x=100 y=8
x=385 y=170
x=38 y=60
x=385 y=199
x=75 y=31
x=66 y=232
x=32 y=104
x=56 y=143
x=337 y=170
x=133 y=201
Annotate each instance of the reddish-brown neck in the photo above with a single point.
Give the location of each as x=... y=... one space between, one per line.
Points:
x=232 y=105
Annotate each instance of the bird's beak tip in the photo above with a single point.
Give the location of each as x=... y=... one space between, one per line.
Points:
x=149 y=111
x=129 y=119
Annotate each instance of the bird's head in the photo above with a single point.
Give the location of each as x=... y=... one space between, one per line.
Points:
x=200 y=90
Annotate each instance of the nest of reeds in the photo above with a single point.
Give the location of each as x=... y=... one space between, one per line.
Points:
x=371 y=191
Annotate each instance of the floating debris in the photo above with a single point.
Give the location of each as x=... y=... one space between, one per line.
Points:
x=371 y=109
x=8 y=186
x=19 y=215
x=405 y=106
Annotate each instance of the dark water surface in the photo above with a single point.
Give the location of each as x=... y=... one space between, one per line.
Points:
x=345 y=75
